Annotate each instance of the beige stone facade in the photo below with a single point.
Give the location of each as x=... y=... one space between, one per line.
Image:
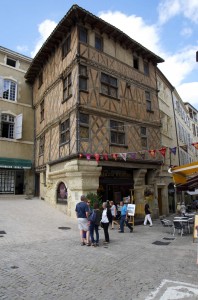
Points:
x=16 y=125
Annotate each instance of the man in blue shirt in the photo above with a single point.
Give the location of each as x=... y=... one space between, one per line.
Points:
x=82 y=213
x=123 y=219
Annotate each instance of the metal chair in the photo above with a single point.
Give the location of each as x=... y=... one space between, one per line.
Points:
x=179 y=226
x=166 y=223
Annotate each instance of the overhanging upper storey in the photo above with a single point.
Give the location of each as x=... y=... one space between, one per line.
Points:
x=73 y=17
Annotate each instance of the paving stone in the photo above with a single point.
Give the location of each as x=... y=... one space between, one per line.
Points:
x=51 y=264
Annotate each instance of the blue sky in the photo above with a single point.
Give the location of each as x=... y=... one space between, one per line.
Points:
x=166 y=27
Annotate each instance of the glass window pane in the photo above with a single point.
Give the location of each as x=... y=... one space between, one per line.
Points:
x=148 y=105
x=113 y=137
x=83 y=84
x=104 y=78
x=104 y=89
x=113 y=92
x=84 y=118
x=98 y=43
x=121 y=138
x=113 y=81
x=83 y=35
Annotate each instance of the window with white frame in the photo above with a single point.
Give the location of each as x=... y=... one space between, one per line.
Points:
x=9 y=89
x=7 y=126
x=11 y=126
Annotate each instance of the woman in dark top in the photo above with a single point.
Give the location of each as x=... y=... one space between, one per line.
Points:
x=94 y=226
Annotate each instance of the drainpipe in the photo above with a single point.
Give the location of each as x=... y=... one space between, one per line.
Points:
x=175 y=126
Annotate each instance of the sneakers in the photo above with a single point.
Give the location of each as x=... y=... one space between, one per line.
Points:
x=131 y=230
x=93 y=244
x=150 y=225
x=105 y=242
x=82 y=244
x=121 y=231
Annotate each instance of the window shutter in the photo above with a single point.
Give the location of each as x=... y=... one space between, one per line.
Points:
x=18 y=127
x=1 y=87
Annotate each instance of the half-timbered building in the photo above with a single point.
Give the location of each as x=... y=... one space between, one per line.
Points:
x=96 y=114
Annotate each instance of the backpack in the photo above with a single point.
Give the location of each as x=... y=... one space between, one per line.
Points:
x=92 y=216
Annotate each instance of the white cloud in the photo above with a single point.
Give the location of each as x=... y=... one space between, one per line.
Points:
x=45 y=29
x=178 y=66
x=189 y=92
x=186 y=31
x=170 y=8
x=135 y=27
x=22 y=48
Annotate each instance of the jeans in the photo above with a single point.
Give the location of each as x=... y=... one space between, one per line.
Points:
x=122 y=221
x=106 y=233
x=94 y=227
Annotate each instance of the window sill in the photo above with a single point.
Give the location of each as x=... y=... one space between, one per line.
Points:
x=150 y=111
x=84 y=91
x=63 y=144
x=109 y=96
x=68 y=97
x=118 y=145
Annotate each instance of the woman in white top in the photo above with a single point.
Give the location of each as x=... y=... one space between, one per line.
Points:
x=114 y=213
x=106 y=219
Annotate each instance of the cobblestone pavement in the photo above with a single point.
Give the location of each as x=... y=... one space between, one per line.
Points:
x=41 y=261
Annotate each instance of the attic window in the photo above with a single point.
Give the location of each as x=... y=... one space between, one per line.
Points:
x=136 y=63
x=11 y=62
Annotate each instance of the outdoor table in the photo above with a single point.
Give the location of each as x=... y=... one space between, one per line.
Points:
x=184 y=221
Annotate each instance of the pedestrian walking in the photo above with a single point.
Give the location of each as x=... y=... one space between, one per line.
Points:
x=114 y=214
x=94 y=225
x=106 y=219
x=124 y=218
x=147 y=215
x=82 y=213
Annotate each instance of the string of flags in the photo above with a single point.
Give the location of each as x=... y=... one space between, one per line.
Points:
x=134 y=155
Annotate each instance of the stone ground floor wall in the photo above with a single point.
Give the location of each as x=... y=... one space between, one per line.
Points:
x=82 y=176
x=79 y=176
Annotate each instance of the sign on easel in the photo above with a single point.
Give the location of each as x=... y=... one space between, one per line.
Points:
x=195 y=231
x=131 y=209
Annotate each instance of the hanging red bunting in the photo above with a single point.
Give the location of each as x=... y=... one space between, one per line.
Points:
x=105 y=156
x=195 y=145
x=152 y=152
x=115 y=156
x=97 y=156
x=162 y=151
